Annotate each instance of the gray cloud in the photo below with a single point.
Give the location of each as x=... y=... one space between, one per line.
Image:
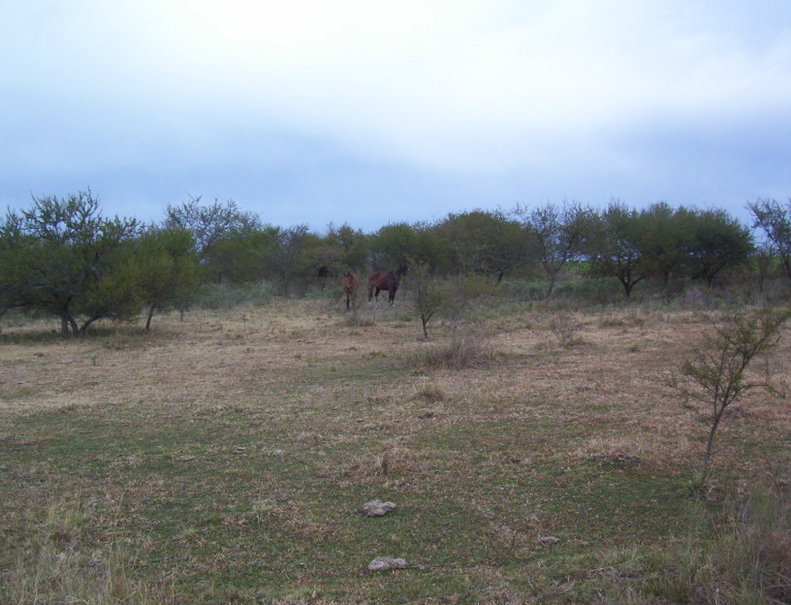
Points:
x=370 y=114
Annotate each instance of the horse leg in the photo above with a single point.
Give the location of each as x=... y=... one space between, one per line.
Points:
x=391 y=299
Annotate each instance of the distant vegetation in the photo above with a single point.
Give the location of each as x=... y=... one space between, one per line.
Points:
x=61 y=257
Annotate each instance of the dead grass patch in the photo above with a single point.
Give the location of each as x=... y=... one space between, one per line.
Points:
x=466 y=348
x=431 y=393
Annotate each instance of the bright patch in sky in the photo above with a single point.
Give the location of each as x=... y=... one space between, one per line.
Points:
x=369 y=112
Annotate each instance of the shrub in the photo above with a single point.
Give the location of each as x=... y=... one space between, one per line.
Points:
x=564 y=327
x=466 y=348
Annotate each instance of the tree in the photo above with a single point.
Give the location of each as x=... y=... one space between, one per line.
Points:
x=350 y=248
x=61 y=257
x=394 y=245
x=488 y=243
x=436 y=296
x=613 y=245
x=666 y=239
x=718 y=241
x=13 y=281
x=166 y=265
x=554 y=235
x=775 y=221
x=238 y=257
x=211 y=224
x=717 y=374
x=430 y=296
x=285 y=253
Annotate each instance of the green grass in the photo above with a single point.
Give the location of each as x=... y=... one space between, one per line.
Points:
x=250 y=494
x=213 y=488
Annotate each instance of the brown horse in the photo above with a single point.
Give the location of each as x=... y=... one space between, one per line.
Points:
x=386 y=281
x=350 y=285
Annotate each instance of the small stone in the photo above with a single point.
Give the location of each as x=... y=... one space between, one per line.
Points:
x=375 y=508
x=548 y=540
x=278 y=452
x=385 y=563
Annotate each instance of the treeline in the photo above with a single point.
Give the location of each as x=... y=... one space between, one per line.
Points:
x=61 y=257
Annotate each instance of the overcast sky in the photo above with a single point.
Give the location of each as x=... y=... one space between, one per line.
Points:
x=368 y=112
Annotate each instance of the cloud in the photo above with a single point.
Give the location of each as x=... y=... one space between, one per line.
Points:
x=427 y=100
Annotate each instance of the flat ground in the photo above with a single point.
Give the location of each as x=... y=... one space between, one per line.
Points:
x=226 y=456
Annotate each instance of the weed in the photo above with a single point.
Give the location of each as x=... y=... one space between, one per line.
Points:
x=466 y=348
x=565 y=328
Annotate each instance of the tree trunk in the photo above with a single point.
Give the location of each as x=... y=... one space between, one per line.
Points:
x=84 y=328
x=551 y=286
x=65 y=329
x=150 y=315
x=627 y=288
x=709 y=447
x=68 y=325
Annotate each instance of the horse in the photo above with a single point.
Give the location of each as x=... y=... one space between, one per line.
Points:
x=350 y=284
x=386 y=281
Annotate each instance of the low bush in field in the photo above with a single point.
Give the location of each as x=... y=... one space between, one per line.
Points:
x=467 y=347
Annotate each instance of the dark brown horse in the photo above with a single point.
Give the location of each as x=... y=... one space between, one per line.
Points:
x=386 y=281
x=350 y=285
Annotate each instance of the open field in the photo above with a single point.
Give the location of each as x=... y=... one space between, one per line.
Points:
x=224 y=458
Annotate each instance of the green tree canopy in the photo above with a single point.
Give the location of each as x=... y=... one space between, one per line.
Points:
x=489 y=243
x=61 y=257
x=718 y=241
x=613 y=243
x=166 y=266
x=211 y=226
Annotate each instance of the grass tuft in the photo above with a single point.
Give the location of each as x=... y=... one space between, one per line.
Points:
x=467 y=348
x=431 y=393
x=61 y=562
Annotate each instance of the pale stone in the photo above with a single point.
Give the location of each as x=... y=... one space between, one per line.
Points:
x=385 y=563
x=375 y=508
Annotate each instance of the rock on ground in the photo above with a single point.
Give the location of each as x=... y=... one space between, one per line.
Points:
x=385 y=563
x=375 y=508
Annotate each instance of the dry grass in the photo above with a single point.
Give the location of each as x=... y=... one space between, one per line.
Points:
x=244 y=440
x=62 y=562
x=467 y=347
